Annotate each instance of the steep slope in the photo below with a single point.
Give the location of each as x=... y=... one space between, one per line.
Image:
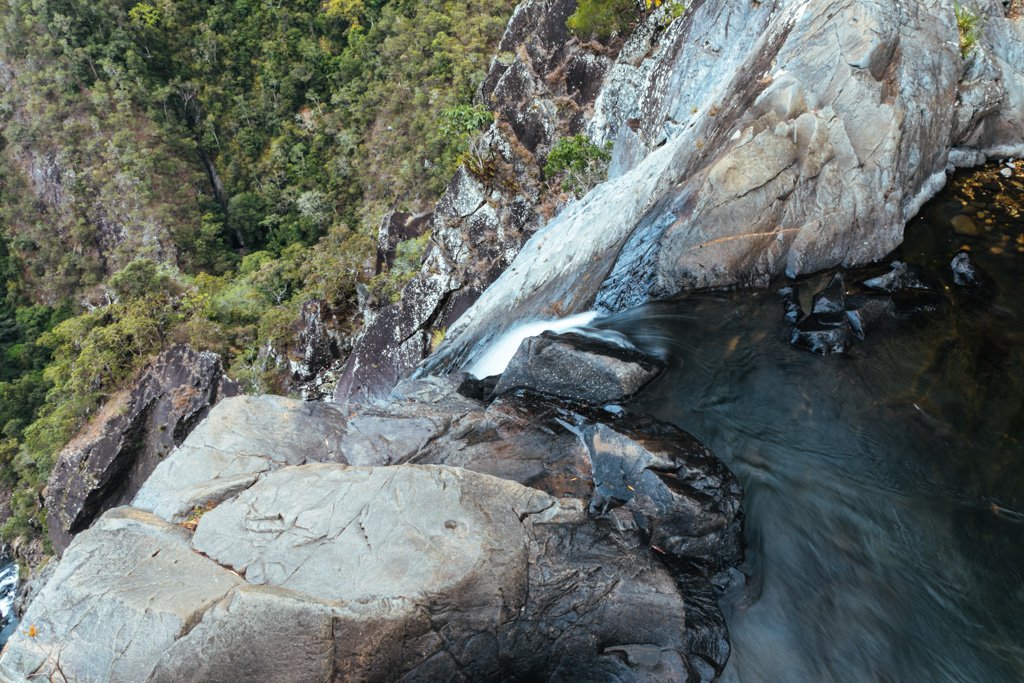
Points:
x=762 y=138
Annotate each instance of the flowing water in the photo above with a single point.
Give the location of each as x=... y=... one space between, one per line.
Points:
x=884 y=486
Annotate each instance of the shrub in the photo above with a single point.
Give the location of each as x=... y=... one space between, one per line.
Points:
x=578 y=163
x=968 y=23
x=602 y=18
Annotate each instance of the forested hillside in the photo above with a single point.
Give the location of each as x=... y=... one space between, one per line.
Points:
x=193 y=172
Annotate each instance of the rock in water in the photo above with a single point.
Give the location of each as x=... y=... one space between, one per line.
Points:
x=822 y=333
x=106 y=464
x=901 y=276
x=964 y=225
x=579 y=367
x=966 y=274
x=832 y=299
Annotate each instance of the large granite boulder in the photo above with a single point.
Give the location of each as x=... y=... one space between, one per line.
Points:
x=107 y=462
x=124 y=591
x=328 y=572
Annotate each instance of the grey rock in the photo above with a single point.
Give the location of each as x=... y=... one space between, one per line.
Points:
x=242 y=438
x=578 y=367
x=362 y=534
x=781 y=109
x=434 y=573
x=124 y=591
x=318 y=348
x=108 y=461
x=255 y=634
x=542 y=85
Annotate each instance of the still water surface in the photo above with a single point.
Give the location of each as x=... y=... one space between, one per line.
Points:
x=884 y=486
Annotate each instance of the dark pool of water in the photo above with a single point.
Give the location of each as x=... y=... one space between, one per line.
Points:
x=884 y=486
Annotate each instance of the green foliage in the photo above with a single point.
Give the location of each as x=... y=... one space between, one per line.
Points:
x=388 y=285
x=602 y=18
x=194 y=172
x=577 y=164
x=968 y=23
x=673 y=11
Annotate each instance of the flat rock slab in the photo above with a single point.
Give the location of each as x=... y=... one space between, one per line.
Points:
x=124 y=591
x=348 y=573
x=359 y=534
x=242 y=438
x=579 y=367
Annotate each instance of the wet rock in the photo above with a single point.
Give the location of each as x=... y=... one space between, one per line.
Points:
x=901 y=276
x=965 y=273
x=578 y=367
x=242 y=438
x=793 y=312
x=108 y=461
x=832 y=299
x=864 y=311
x=823 y=333
x=685 y=501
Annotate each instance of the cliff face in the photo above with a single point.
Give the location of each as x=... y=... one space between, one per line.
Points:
x=85 y=203
x=541 y=86
x=755 y=139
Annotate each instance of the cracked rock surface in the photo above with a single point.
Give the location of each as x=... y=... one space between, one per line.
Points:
x=327 y=572
x=520 y=538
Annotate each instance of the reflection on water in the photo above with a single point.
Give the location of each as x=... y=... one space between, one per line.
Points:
x=884 y=487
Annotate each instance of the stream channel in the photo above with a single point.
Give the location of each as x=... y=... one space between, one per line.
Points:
x=884 y=485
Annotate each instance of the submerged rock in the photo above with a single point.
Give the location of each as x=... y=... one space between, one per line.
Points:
x=108 y=461
x=578 y=367
x=823 y=333
x=839 y=316
x=902 y=277
x=968 y=276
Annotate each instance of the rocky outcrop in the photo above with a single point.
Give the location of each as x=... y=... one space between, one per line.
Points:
x=317 y=351
x=756 y=139
x=434 y=535
x=106 y=464
x=542 y=84
x=419 y=572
